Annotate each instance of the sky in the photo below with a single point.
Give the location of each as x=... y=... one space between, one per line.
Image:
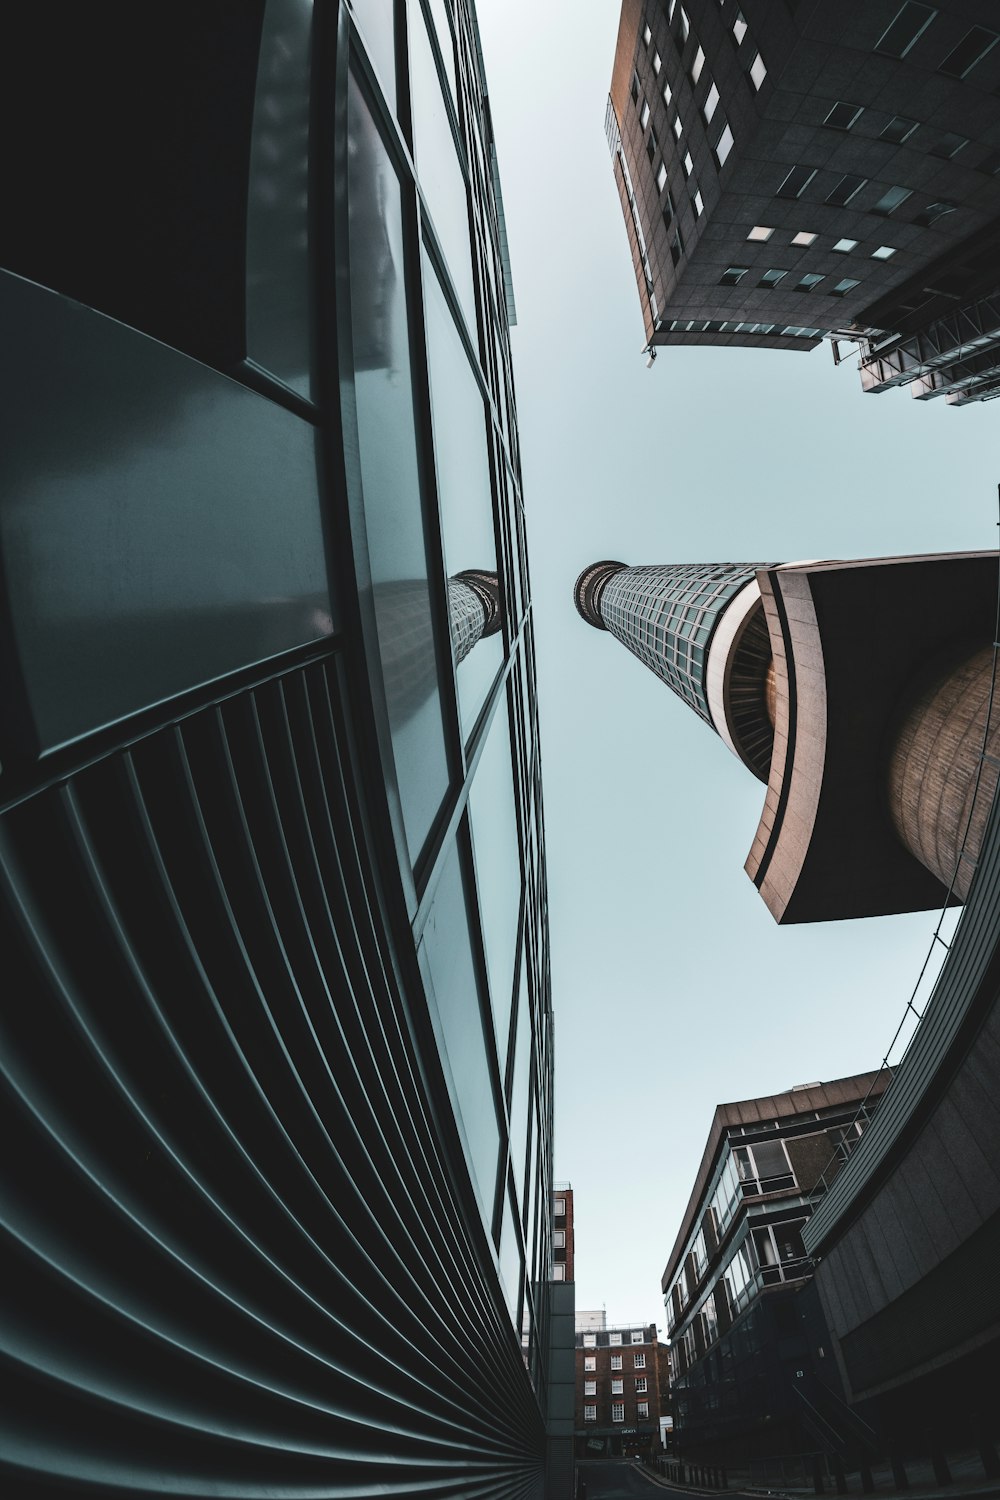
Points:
x=673 y=988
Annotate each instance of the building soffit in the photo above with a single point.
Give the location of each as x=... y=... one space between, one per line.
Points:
x=849 y=639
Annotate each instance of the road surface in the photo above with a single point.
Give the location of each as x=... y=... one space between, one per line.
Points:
x=618 y=1481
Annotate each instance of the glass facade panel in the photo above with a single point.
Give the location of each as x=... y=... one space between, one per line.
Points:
x=498 y=866
x=438 y=168
x=511 y=1261
x=278 y=303
x=447 y=951
x=376 y=18
x=521 y=1084
x=390 y=473
x=463 y=475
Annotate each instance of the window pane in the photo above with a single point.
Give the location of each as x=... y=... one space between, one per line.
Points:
x=279 y=315
x=910 y=21
x=891 y=199
x=519 y=1095
x=376 y=21
x=463 y=474
x=511 y=1261
x=438 y=167
x=390 y=473
x=447 y=955
x=498 y=866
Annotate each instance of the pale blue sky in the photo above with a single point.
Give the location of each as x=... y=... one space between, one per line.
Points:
x=673 y=988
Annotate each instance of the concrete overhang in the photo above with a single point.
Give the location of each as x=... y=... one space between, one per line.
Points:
x=852 y=641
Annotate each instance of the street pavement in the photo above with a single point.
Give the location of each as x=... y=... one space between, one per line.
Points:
x=607 y=1480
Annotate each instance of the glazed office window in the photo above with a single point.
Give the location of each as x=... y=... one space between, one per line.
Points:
x=641 y=1385
x=498 y=864
x=843 y=287
x=898 y=129
x=644 y=114
x=590 y=1387
x=909 y=23
x=521 y=1109
x=616 y=1361
x=844 y=247
x=511 y=1258
x=647 y=35
x=559 y=1208
x=638 y=1338
x=808 y=282
x=764 y=1167
x=971 y=50
x=438 y=168
x=732 y=275
x=687 y=164
x=439 y=15
x=590 y=1361
x=804 y=237
x=843 y=116
x=677 y=127
x=657 y=64
x=446 y=950
x=559 y=1272
x=617 y=1387
x=947 y=146
x=697 y=65
x=842 y=193
x=890 y=200
x=723 y=146
x=590 y=1340
x=376 y=18
x=933 y=212
x=642 y=1409
x=559 y=1239
x=795 y=182
x=590 y=1413
x=465 y=495
x=710 y=105
x=884 y=252
x=668 y=92
x=697 y=203
x=760 y=233
x=770 y=279
x=639 y=1361
x=661 y=177
x=757 y=71
x=740 y=27
x=390 y=475
x=634 y=89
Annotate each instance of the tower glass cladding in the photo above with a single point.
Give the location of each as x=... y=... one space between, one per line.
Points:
x=272 y=859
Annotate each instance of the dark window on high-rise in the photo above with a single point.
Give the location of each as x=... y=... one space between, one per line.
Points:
x=634 y=90
x=890 y=200
x=770 y=279
x=909 y=23
x=898 y=129
x=796 y=182
x=808 y=281
x=677 y=248
x=845 y=190
x=933 y=212
x=668 y=210
x=843 y=287
x=948 y=146
x=842 y=116
x=732 y=275
x=973 y=47
x=990 y=164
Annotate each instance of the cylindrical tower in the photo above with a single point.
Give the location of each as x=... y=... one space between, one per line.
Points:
x=866 y=754
x=700 y=627
x=405 y=631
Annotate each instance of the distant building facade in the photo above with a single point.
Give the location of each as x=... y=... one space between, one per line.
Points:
x=620 y=1397
x=794 y=173
x=563 y=1238
x=877 y=788
x=750 y=1358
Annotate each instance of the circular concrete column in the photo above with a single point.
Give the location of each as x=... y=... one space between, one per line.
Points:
x=933 y=766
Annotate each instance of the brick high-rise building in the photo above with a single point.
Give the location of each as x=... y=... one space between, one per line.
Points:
x=563 y=1237
x=857 y=691
x=789 y=173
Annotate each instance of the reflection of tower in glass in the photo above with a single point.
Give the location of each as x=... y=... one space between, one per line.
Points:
x=373 y=274
x=858 y=691
x=405 y=631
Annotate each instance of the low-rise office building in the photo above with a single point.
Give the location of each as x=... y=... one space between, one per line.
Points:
x=749 y=1354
